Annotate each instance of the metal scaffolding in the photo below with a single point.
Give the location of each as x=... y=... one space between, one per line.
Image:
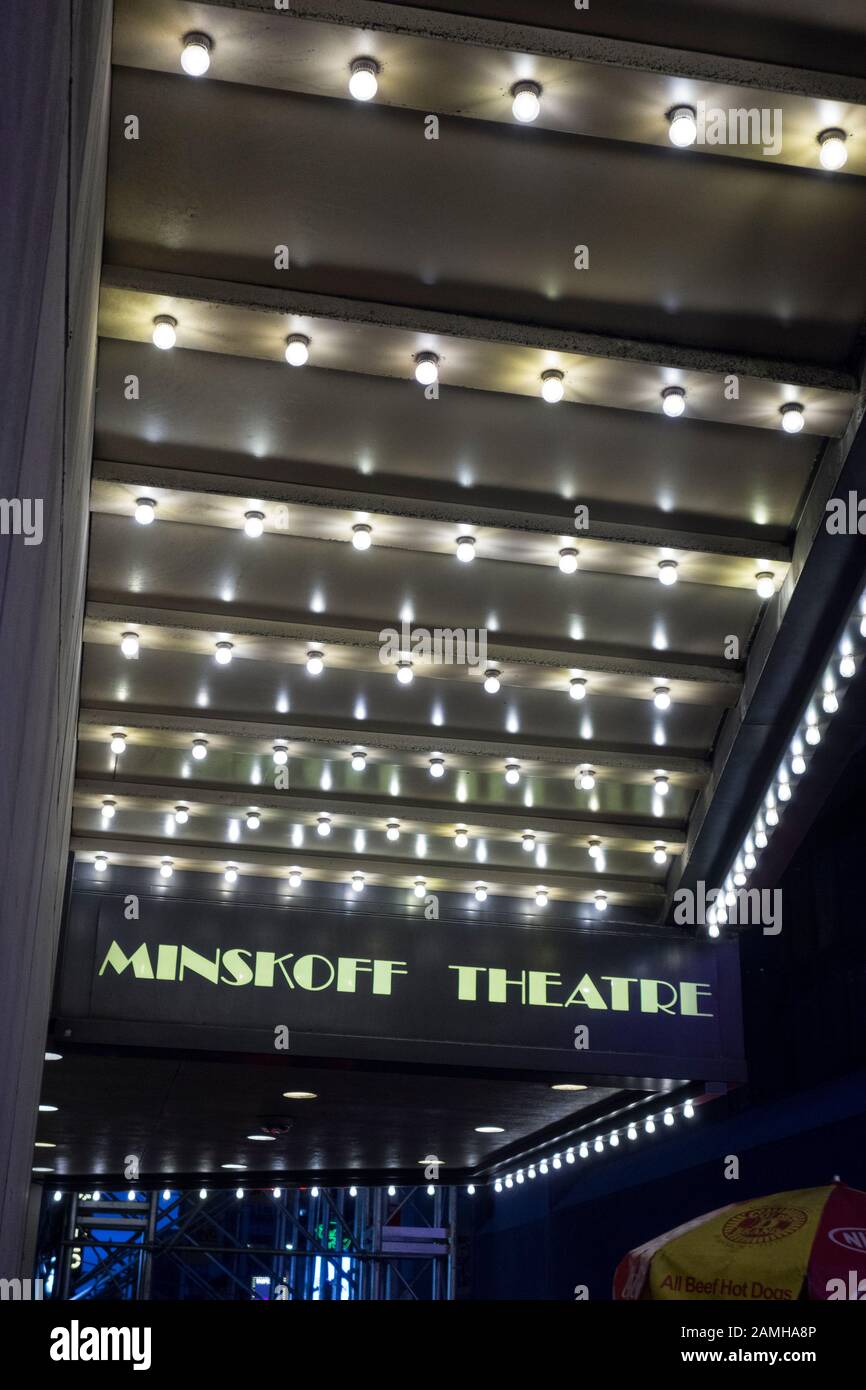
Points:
x=281 y=1244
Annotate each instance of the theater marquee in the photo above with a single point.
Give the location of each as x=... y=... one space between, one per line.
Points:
x=607 y=1002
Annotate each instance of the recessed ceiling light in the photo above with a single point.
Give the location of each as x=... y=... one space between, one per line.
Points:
x=195 y=54
x=300 y=1095
x=364 y=79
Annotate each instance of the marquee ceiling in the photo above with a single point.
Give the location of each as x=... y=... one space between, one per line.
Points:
x=702 y=268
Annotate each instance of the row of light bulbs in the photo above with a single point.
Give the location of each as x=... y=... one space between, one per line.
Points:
x=597 y=1145
x=585 y=775
x=361 y=536
x=357 y=881
x=393 y=830
x=672 y=399
x=526 y=99
x=130 y=646
x=823 y=704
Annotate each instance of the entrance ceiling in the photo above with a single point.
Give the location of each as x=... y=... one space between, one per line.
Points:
x=261 y=201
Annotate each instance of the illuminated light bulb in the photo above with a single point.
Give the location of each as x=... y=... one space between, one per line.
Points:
x=750 y=861
x=230 y=873
x=631 y=1132
x=526 y=101
x=813 y=735
x=315 y=661
x=109 y=808
x=470 y=1191
x=461 y=837
x=660 y=854
x=614 y=1140
x=577 y=688
x=761 y=840
x=199 y=749
x=529 y=841
x=166 y=868
x=668 y=571
x=164 y=332
x=100 y=863
x=598 y=1146
x=358 y=883
x=323 y=825
x=254 y=524
x=359 y=760
x=202 y=1193
x=673 y=401
x=223 y=653
x=798 y=764
x=833 y=149
x=863 y=626
x=512 y=774
x=497 y=1186
x=392 y=830
x=426 y=368
x=772 y=816
x=557 y=1162
x=519 y=1177
x=118 y=743
x=594 y=848
x=531 y=1172
x=552 y=386
x=650 y=1126
x=297 y=350
x=129 y=645
x=568 y=559
x=239 y=1193
x=420 y=887
x=829 y=702
x=583 y=1151
x=765 y=584
x=542 y=897
x=278 y=1192
x=661 y=784
x=364 y=79
x=392 y=1192
x=130 y=1196
x=362 y=536
x=481 y=892
x=662 y=697
x=689 y=1110
x=793 y=417
x=600 y=902
x=784 y=791
x=405 y=674
x=569 y=1157
x=682 y=126
x=281 y=754
x=253 y=819
x=465 y=549
x=181 y=813
x=295 y=878
x=145 y=510
x=492 y=683
x=739 y=878
x=586 y=777
x=509 y=1181
x=713 y=930
x=437 y=765
x=847 y=667
x=195 y=54
x=669 y=1117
